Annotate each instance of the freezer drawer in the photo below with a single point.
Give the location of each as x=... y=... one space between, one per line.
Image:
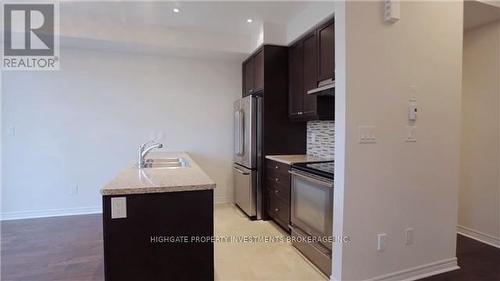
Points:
x=245 y=191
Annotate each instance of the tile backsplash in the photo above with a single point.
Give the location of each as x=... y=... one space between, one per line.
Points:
x=321 y=139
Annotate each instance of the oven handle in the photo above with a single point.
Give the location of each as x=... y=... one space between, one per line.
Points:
x=309 y=178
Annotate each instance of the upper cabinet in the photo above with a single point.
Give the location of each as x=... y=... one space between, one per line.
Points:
x=253 y=73
x=258 y=74
x=248 y=82
x=310 y=74
x=296 y=79
x=326 y=50
x=312 y=65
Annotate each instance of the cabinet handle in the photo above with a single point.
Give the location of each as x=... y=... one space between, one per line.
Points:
x=276 y=167
x=276 y=191
x=300 y=112
x=276 y=210
x=276 y=179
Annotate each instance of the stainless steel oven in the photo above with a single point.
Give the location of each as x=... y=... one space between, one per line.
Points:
x=312 y=216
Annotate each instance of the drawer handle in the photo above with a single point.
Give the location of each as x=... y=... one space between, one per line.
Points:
x=276 y=167
x=276 y=191
x=276 y=210
x=277 y=179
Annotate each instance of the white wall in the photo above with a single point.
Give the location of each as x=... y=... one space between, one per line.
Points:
x=307 y=19
x=391 y=185
x=82 y=125
x=479 y=208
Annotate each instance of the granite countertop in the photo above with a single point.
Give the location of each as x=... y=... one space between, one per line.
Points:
x=141 y=181
x=290 y=159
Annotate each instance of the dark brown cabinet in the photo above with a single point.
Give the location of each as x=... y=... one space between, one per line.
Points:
x=311 y=63
x=296 y=74
x=135 y=247
x=265 y=76
x=326 y=52
x=277 y=186
x=258 y=71
x=253 y=73
x=310 y=75
x=248 y=81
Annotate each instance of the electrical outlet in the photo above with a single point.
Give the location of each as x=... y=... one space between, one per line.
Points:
x=411 y=134
x=11 y=132
x=367 y=135
x=118 y=207
x=409 y=236
x=381 y=243
x=74 y=190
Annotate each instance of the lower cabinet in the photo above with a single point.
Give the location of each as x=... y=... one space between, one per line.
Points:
x=277 y=187
x=162 y=236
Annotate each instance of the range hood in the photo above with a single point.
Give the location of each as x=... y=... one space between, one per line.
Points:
x=325 y=88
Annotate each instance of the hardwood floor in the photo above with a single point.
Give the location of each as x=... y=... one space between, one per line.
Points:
x=70 y=249
x=52 y=249
x=477 y=261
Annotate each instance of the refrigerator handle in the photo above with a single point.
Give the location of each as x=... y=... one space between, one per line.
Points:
x=237 y=139
x=241 y=132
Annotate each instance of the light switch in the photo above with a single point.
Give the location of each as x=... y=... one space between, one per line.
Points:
x=118 y=207
x=367 y=135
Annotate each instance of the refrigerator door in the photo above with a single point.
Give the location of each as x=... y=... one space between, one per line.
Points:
x=245 y=189
x=245 y=132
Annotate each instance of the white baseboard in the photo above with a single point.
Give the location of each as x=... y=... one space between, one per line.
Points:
x=49 y=213
x=479 y=236
x=417 y=272
x=31 y=214
x=421 y=271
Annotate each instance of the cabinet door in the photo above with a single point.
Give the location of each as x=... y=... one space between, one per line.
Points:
x=310 y=73
x=259 y=71
x=248 y=77
x=296 y=79
x=326 y=50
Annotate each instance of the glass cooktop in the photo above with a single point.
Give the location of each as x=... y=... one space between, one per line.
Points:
x=324 y=169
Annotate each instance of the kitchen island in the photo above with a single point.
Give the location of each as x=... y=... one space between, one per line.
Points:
x=158 y=222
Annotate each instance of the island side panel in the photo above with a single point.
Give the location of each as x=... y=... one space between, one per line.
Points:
x=135 y=246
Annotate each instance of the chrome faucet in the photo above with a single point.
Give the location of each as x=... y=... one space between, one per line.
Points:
x=144 y=149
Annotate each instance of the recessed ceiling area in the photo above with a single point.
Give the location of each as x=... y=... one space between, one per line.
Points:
x=477 y=13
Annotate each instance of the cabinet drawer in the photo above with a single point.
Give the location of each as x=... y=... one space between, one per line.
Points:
x=279 y=211
x=273 y=168
x=280 y=190
x=278 y=177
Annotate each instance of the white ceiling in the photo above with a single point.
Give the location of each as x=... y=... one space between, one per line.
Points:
x=210 y=16
x=202 y=27
x=477 y=13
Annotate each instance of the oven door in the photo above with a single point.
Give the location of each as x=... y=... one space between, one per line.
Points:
x=312 y=204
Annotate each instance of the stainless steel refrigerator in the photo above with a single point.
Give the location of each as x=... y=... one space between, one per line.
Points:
x=247 y=155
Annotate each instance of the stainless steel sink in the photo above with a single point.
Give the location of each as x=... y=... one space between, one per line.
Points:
x=166 y=163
